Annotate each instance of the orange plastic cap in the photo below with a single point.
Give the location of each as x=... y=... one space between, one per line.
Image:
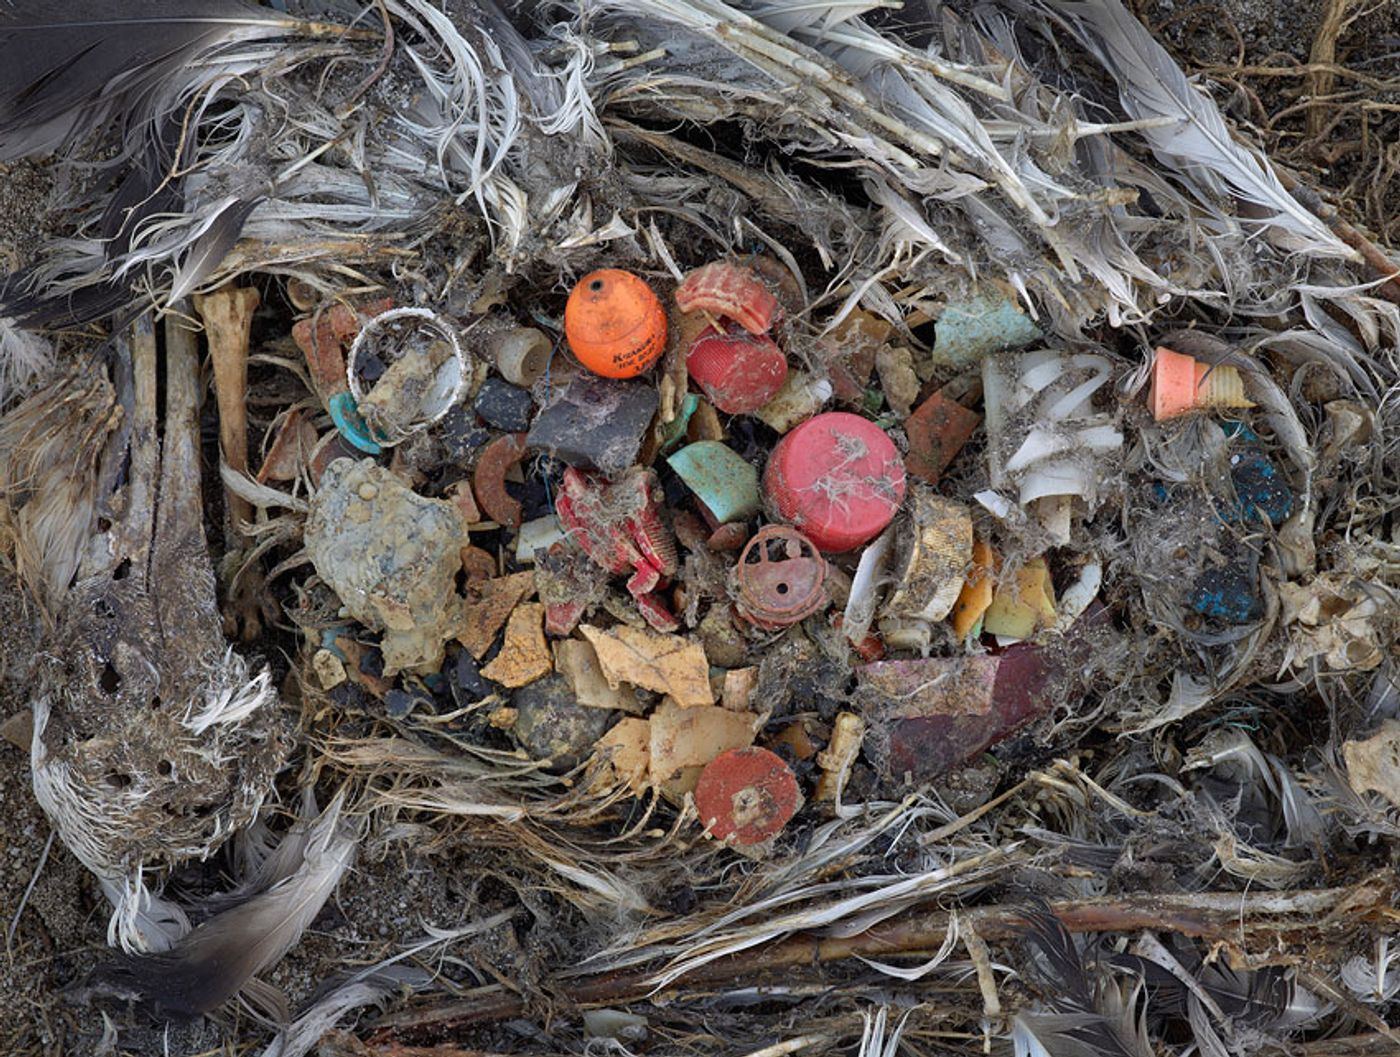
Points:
x=1174 y=382
x=615 y=324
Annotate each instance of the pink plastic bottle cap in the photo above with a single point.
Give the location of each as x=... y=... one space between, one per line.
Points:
x=838 y=478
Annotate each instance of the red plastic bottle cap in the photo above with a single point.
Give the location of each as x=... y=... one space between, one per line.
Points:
x=838 y=478
x=738 y=372
x=746 y=796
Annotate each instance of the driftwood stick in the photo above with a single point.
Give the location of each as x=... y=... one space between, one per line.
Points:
x=1258 y=929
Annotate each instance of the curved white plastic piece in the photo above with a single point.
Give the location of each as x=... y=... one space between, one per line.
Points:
x=860 y=604
x=449 y=383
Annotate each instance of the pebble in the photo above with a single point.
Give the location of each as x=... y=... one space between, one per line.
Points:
x=505 y=406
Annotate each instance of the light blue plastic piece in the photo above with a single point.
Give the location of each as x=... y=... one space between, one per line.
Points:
x=724 y=482
x=985 y=323
x=347 y=418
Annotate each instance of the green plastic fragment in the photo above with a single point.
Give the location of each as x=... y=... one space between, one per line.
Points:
x=725 y=483
x=989 y=321
x=674 y=431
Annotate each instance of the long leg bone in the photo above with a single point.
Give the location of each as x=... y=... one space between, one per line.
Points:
x=228 y=320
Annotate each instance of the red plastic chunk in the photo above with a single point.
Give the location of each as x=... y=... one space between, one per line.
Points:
x=837 y=478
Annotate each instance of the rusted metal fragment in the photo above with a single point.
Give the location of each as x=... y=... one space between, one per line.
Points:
x=489 y=482
x=937 y=431
x=779 y=579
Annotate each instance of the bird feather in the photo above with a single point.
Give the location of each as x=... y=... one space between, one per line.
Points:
x=218 y=958
x=1198 y=142
x=70 y=67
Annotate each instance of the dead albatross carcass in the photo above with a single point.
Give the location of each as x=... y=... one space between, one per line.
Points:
x=153 y=741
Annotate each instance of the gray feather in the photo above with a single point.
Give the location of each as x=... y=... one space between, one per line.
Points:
x=218 y=959
x=69 y=67
x=1198 y=143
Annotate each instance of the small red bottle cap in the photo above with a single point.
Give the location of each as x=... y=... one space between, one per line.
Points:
x=739 y=373
x=838 y=478
x=746 y=796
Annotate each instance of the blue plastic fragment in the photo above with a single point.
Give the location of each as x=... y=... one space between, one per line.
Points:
x=720 y=478
x=1263 y=493
x=347 y=418
x=1227 y=595
x=328 y=637
x=1238 y=431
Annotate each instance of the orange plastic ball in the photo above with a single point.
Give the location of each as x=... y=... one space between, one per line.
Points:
x=615 y=324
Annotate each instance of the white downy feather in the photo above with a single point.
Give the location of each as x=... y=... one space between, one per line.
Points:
x=24 y=357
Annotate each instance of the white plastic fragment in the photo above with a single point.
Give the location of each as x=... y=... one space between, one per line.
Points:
x=427 y=372
x=1077 y=597
x=1045 y=439
x=860 y=605
x=536 y=536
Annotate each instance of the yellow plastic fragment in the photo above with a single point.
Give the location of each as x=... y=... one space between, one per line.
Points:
x=1024 y=605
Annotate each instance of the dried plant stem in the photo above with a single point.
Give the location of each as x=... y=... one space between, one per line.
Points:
x=1374 y=256
x=1323 y=55
x=1256 y=927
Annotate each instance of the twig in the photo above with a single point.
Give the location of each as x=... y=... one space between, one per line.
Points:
x=24 y=899
x=1373 y=255
x=378 y=72
x=1231 y=919
x=1350 y=1046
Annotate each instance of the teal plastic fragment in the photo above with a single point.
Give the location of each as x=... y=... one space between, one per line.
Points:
x=985 y=323
x=724 y=482
x=347 y=418
x=674 y=431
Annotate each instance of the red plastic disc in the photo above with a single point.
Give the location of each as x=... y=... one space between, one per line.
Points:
x=746 y=795
x=838 y=478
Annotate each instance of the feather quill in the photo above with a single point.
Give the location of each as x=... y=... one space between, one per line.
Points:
x=215 y=961
x=1198 y=143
